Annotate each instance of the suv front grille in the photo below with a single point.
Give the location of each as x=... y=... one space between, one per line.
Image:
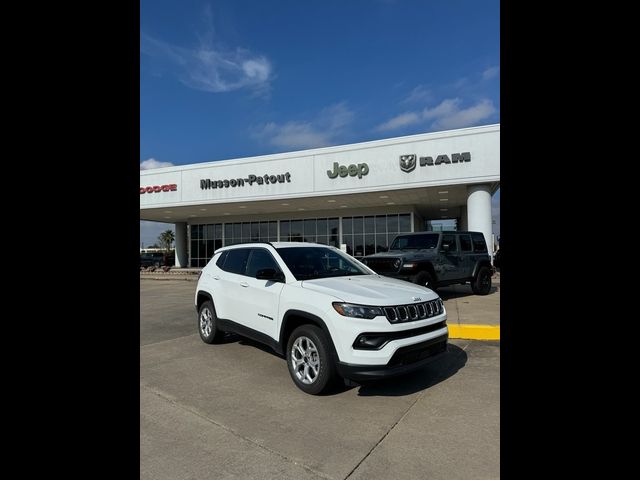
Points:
x=414 y=311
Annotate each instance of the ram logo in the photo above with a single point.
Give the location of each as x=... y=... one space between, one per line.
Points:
x=407 y=162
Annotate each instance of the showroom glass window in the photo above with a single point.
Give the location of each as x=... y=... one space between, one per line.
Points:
x=317 y=230
x=205 y=240
x=365 y=235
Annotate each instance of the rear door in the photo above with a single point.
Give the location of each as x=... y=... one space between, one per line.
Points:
x=480 y=251
x=468 y=257
x=261 y=298
x=229 y=296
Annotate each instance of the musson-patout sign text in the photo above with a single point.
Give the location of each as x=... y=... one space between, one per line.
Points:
x=266 y=179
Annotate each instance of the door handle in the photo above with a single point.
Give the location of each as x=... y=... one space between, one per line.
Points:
x=216 y=277
x=244 y=284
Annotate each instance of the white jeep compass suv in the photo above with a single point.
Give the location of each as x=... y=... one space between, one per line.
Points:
x=329 y=314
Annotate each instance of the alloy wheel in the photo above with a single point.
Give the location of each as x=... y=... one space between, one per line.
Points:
x=305 y=360
x=206 y=322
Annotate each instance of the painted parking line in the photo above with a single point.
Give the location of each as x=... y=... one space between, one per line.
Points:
x=474 y=332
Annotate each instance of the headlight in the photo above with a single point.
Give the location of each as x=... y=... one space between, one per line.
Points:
x=357 y=311
x=397 y=263
x=409 y=265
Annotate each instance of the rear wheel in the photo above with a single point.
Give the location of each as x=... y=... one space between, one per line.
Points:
x=207 y=319
x=309 y=360
x=481 y=284
x=425 y=279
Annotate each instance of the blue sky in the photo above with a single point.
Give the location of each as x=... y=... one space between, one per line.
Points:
x=229 y=79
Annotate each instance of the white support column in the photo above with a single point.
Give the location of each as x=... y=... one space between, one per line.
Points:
x=182 y=257
x=479 y=212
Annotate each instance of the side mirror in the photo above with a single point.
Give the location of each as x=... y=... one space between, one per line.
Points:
x=270 y=274
x=445 y=248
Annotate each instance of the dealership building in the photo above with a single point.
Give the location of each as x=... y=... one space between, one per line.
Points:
x=358 y=196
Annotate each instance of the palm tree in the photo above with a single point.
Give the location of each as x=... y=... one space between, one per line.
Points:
x=166 y=239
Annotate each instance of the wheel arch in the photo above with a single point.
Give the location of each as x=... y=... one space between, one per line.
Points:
x=202 y=297
x=292 y=319
x=479 y=265
x=428 y=267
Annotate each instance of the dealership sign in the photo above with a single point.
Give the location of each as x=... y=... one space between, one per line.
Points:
x=408 y=162
x=352 y=170
x=172 y=187
x=206 y=183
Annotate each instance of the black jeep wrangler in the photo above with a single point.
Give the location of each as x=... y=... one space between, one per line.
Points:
x=436 y=259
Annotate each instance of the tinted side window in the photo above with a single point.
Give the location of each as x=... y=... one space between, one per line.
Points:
x=221 y=259
x=465 y=243
x=236 y=261
x=479 y=245
x=260 y=259
x=451 y=241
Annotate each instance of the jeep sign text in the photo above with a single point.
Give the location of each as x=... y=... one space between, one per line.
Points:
x=352 y=170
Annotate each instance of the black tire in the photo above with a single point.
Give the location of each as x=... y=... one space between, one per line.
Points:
x=327 y=374
x=425 y=279
x=212 y=334
x=481 y=283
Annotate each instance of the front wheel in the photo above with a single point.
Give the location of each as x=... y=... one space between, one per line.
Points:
x=309 y=360
x=481 y=284
x=425 y=279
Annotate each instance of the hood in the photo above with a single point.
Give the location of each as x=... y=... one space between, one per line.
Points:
x=370 y=290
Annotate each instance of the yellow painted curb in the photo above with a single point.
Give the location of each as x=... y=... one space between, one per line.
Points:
x=474 y=332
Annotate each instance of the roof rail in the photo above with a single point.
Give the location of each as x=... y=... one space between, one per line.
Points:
x=252 y=241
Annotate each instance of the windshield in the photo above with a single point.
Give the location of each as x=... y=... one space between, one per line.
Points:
x=416 y=242
x=307 y=263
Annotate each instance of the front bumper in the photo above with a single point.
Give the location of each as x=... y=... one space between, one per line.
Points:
x=404 y=360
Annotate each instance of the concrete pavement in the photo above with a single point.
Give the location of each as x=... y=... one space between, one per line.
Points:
x=232 y=411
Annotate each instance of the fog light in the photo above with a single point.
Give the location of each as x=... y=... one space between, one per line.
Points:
x=370 y=342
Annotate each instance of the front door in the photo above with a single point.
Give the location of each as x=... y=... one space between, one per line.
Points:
x=261 y=298
x=450 y=258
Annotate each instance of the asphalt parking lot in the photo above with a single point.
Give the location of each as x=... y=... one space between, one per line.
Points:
x=232 y=411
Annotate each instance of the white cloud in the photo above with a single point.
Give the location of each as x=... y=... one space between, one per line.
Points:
x=335 y=117
x=461 y=82
x=490 y=72
x=325 y=129
x=153 y=163
x=294 y=135
x=466 y=117
x=402 y=120
x=419 y=94
x=446 y=115
x=211 y=67
x=444 y=109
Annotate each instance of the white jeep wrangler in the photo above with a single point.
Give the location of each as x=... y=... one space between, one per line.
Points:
x=329 y=314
